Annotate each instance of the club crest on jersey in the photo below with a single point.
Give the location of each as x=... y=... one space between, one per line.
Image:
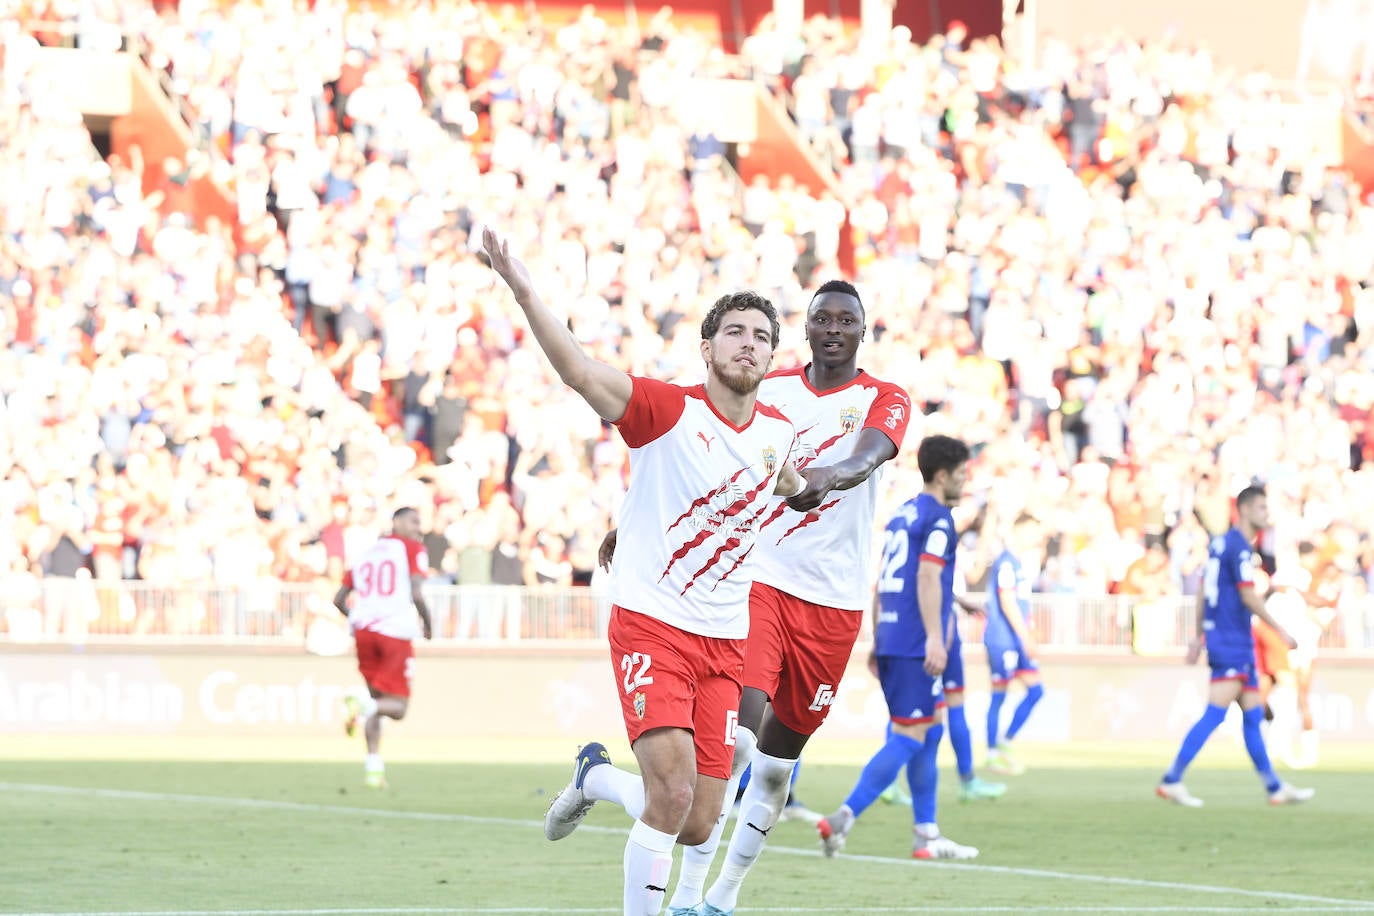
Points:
x=849 y=419
x=770 y=460
x=640 y=703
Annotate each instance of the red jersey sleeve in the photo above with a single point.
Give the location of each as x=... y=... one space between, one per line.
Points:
x=653 y=410
x=890 y=413
x=348 y=578
x=416 y=558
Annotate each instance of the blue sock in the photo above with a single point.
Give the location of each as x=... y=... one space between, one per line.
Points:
x=881 y=770
x=961 y=741
x=995 y=717
x=923 y=777
x=1197 y=736
x=1254 y=743
x=1023 y=709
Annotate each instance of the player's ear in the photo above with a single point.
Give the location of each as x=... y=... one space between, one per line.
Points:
x=706 y=350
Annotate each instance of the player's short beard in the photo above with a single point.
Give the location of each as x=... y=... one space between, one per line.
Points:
x=739 y=379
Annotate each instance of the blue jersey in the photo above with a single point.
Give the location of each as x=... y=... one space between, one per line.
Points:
x=922 y=529
x=1226 y=619
x=1006 y=576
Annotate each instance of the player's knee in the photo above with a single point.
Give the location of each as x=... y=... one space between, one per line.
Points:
x=673 y=798
x=1034 y=692
x=745 y=746
x=399 y=712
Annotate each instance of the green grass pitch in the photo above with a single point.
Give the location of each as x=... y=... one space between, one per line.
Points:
x=219 y=827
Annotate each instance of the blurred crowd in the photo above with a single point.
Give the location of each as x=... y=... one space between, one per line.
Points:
x=1116 y=272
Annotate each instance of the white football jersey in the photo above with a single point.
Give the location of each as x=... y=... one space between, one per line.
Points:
x=380 y=580
x=823 y=557
x=699 y=487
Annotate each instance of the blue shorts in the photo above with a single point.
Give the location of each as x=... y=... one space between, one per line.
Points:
x=1009 y=661
x=954 y=668
x=1245 y=673
x=913 y=697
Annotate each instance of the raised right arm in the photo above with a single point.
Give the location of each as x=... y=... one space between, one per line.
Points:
x=604 y=387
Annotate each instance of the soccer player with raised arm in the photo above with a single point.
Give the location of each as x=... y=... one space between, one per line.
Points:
x=1010 y=645
x=704 y=461
x=385 y=584
x=804 y=614
x=1227 y=601
x=912 y=637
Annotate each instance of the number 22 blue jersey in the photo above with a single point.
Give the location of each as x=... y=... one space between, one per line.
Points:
x=1226 y=619
x=922 y=529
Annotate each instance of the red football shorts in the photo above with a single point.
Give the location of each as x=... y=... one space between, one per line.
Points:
x=385 y=662
x=669 y=678
x=1271 y=655
x=797 y=653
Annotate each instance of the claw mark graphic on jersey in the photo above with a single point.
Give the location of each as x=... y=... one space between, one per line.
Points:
x=777 y=514
x=815 y=453
x=710 y=519
x=731 y=544
x=807 y=519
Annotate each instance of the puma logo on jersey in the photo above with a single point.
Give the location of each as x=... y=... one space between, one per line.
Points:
x=707 y=440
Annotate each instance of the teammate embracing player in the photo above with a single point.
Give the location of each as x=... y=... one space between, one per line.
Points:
x=809 y=593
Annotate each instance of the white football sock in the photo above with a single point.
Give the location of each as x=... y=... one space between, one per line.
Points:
x=696 y=860
x=648 y=862
x=612 y=784
x=372 y=763
x=759 y=811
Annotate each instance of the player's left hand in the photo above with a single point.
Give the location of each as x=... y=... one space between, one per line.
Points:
x=427 y=628
x=936 y=655
x=516 y=275
x=819 y=483
x=606 y=551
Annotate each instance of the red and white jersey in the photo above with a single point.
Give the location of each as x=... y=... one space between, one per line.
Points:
x=823 y=556
x=380 y=580
x=699 y=488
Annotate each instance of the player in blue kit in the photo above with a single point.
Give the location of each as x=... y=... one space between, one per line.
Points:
x=912 y=638
x=1228 y=599
x=1010 y=644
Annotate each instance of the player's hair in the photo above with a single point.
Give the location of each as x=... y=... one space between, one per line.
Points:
x=742 y=301
x=837 y=286
x=1025 y=518
x=1248 y=495
x=940 y=453
x=404 y=510
x=840 y=286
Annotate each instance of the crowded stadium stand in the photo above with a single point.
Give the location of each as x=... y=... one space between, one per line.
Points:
x=1119 y=269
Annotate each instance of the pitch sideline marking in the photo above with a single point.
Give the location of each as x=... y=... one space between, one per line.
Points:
x=269 y=804
x=481 y=911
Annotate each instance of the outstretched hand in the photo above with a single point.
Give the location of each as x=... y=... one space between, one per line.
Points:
x=510 y=268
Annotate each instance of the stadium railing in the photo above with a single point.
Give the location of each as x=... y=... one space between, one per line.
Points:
x=287 y=615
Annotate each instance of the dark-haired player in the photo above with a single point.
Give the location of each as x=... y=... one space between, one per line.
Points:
x=705 y=461
x=385 y=584
x=912 y=639
x=1228 y=599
